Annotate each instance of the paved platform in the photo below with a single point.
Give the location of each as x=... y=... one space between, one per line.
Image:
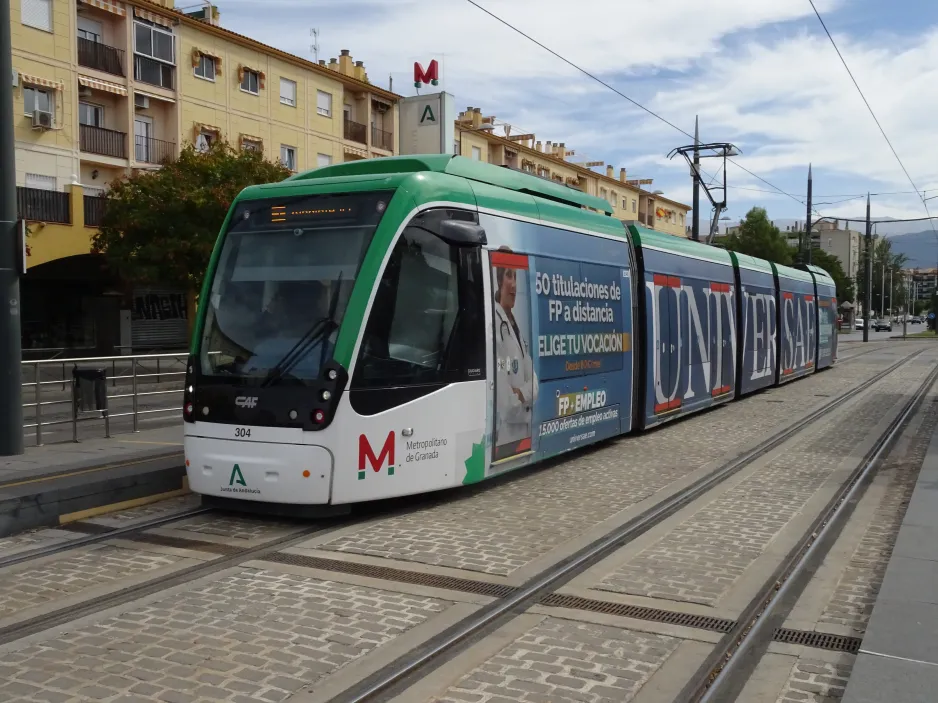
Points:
x=899 y=658
x=59 y=483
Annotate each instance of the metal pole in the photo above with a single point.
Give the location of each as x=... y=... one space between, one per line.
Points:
x=133 y=363
x=868 y=302
x=882 y=292
x=38 y=407
x=807 y=222
x=11 y=352
x=695 y=232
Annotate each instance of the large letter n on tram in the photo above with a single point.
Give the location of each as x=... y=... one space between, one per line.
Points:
x=365 y=452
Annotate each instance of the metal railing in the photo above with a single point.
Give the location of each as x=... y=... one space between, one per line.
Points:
x=94 y=210
x=355 y=131
x=41 y=205
x=382 y=139
x=100 y=56
x=107 y=142
x=153 y=151
x=37 y=370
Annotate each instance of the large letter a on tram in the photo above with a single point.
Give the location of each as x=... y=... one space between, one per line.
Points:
x=366 y=452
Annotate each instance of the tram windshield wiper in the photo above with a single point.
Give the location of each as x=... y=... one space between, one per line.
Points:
x=319 y=330
x=315 y=333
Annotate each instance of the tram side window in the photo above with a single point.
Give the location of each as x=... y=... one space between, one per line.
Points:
x=426 y=326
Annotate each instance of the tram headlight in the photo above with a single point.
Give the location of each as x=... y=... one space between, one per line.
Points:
x=326 y=395
x=332 y=374
x=188 y=409
x=319 y=417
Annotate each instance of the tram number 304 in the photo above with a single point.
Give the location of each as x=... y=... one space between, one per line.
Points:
x=242 y=432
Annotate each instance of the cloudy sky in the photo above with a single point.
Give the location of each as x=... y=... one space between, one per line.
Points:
x=760 y=73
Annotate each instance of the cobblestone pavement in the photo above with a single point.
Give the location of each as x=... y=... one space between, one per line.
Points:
x=152 y=511
x=33 y=539
x=814 y=681
x=53 y=580
x=563 y=660
x=855 y=594
x=252 y=636
x=233 y=527
x=501 y=528
x=702 y=558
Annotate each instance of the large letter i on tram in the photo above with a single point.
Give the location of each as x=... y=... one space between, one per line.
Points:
x=365 y=451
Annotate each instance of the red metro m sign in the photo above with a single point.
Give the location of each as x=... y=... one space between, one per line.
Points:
x=428 y=77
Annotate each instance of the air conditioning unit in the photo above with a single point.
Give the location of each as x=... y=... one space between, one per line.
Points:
x=141 y=101
x=42 y=119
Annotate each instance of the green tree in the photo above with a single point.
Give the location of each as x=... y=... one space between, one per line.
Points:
x=832 y=265
x=888 y=291
x=757 y=236
x=160 y=226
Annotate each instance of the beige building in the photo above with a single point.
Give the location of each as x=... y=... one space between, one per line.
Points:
x=475 y=138
x=106 y=87
x=845 y=244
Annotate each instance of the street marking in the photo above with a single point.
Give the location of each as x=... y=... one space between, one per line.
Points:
x=892 y=656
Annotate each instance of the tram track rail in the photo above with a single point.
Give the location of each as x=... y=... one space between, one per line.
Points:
x=62 y=547
x=724 y=673
x=397 y=676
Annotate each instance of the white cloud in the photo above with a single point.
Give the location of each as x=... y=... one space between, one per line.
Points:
x=760 y=73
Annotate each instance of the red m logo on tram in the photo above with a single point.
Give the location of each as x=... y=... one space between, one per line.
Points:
x=366 y=452
x=431 y=75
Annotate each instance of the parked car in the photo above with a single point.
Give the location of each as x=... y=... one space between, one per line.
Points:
x=916 y=320
x=882 y=326
x=859 y=323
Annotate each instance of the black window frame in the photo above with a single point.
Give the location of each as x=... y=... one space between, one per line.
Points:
x=464 y=355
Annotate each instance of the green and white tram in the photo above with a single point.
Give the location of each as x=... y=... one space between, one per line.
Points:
x=394 y=326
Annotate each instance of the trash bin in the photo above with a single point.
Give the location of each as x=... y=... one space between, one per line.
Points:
x=90 y=389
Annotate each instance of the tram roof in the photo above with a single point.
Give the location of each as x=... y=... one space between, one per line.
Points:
x=462 y=167
x=820 y=273
x=644 y=237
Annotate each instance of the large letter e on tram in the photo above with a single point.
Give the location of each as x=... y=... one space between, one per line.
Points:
x=366 y=452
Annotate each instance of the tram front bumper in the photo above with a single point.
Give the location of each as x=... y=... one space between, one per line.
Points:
x=259 y=471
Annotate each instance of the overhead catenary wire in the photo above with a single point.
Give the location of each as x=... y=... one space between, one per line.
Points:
x=873 y=115
x=621 y=94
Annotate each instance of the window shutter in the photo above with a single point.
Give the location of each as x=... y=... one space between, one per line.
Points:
x=37 y=13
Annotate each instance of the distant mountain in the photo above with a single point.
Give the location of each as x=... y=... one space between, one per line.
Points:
x=921 y=248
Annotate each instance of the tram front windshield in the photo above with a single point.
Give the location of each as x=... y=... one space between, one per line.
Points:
x=282 y=284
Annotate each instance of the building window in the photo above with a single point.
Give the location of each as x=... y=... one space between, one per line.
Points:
x=250 y=81
x=476 y=153
x=37 y=13
x=634 y=205
x=288 y=157
x=206 y=67
x=288 y=92
x=251 y=145
x=204 y=141
x=682 y=219
x=37 y=99
x=613 y=199
x=323 y=160
x=154 y=42
x=603 y=194
x=324 y=103
x=39 y=182
x=457 y=148
x=90 y=115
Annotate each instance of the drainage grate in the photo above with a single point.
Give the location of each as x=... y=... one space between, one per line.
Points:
x=820 y=640
x=182 y=543
x=482 y=588
x=701 y=622
x=86 y=528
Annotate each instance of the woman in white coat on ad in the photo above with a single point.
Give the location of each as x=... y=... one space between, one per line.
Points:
x=516 y=385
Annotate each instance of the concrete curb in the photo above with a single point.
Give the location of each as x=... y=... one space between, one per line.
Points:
x=84 y=489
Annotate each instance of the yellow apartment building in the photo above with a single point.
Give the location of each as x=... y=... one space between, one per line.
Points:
x=106 y=87
x=475 y=138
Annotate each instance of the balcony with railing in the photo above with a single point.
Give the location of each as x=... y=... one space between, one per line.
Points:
x=154 y=72
x=355 y=131
x=94 y=210
x=40 y=205
x=100 y=56
x=381 y=139
x=153 y=151
x=106 y=142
